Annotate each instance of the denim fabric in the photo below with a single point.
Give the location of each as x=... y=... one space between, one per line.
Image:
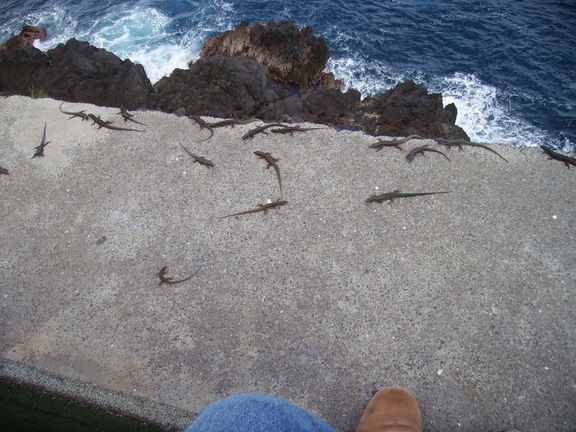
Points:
x=250 y=412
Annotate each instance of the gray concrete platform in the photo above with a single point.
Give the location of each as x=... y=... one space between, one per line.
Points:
x=467 y=298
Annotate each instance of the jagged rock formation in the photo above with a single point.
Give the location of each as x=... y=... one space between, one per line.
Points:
x=224 y=86
x=76 y=72
x=292 y=56
x=268 y=71
x=408 y=109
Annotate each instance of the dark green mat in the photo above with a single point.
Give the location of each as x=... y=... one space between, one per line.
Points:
x=33 y=401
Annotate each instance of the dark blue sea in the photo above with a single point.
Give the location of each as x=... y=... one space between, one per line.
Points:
x=508 y=65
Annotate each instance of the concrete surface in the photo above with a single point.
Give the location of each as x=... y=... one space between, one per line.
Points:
x=467 y=298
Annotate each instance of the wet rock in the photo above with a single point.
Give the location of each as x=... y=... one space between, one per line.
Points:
x=331 y=106
x=292 y=56
x=224 y=86
x=22 y=69
x=83 y=73
x=77 y=72
x=408 y=109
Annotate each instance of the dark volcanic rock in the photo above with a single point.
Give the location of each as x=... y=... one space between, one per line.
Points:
x=77 y=72
x=21 y=70
x=236 y=86
x=408 y=109
x=224 y=86
x=292 y=56
x=332 y=106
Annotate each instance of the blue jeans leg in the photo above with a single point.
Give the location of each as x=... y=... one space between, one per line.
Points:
x=251 y=412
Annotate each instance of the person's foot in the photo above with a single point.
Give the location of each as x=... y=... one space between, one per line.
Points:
x=392 y=409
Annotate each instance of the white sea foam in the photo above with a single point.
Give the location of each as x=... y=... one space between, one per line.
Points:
x=483 y=110
x=60 y=24
x=140 y=34
x=369 y=78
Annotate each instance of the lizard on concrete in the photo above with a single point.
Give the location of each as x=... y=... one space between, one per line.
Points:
x=168 y=280
x=82 y=114
x=129 y=117
x=394 y=143
x=261 y=207
x=203 y=125
x=107 y=124
x=40 y=148
x=412 y=154
x=199 y=159
x=262 y=129
x=230 y=122
x=560 y=157
x=382 y=143
x=291 y=129
x=391 y=196
x=271 y=163
x=460 y=143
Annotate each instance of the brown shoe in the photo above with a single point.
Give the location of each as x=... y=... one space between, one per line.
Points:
x=392 y=409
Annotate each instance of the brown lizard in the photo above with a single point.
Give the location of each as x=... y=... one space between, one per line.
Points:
x=382 y=143
x=82 y=114
x=262 y=129
x=199 y=159
x=560 y=157
x=271 y=163
x=230 y=122
x=129 y=117
x=106 y=124
x=261 y=207
x=291 y=129
x=394 y=143
x=203 y=125
x=420 y=150
x=168 y=280
x=460 y=143
x=40 y=148
x=4 y=171
x=391 y=196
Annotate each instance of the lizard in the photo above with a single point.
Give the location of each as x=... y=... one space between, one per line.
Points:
x=168 y=280
x=106 y=124
x=460 y=143
x=262 y=129
x=129 y=117
x=230 y=122
x=382 y=143
x=391 y=196
x=394 y=143
x=203 y=125
x=82 y=114
x=199 y=159
x=4 y=171
x=271 y=163
x=40 y=148
x=562 y=158
x=261 y=207
x=412 y=154
x=291 y=129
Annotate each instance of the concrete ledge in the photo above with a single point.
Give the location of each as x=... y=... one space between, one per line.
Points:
x=31 y=399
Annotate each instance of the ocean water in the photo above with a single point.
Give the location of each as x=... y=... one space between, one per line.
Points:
x=508 y=65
